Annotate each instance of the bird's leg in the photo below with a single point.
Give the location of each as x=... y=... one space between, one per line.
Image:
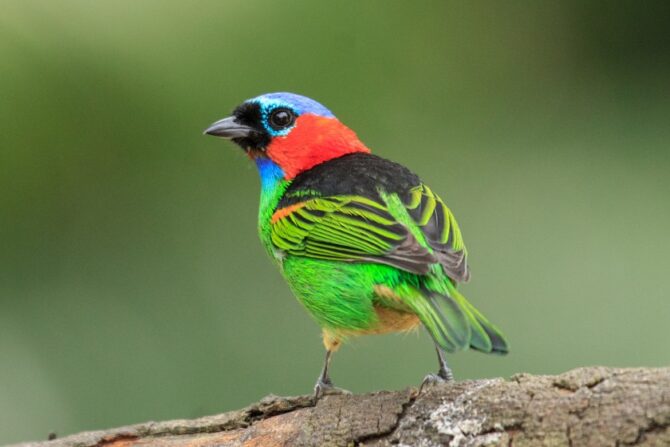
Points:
x=444 y=371
x=324 y=385
x=443 y=375
x=324 y=381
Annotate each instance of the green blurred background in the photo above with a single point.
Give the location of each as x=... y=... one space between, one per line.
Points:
x=132 y=285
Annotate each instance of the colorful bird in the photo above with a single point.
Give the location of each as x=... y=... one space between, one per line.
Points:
x=365 y=246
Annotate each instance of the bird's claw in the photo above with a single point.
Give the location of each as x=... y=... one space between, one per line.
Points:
x=326 y=388
x=441 y=378
x=433 y=379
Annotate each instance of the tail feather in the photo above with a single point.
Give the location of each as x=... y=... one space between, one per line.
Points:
x=453 y=323
x=479 y=339
x=443 y=318
x=486 y=336
x=455 y=332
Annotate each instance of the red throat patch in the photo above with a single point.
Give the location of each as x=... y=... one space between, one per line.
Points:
x=313 y=140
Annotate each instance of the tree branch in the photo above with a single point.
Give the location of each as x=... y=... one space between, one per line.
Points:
x=584 y=407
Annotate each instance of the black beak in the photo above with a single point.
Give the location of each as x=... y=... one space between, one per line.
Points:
x=229 y=128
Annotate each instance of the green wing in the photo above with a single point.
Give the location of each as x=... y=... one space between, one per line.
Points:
x=351 y=229
x=440 y=229
x=356 y=229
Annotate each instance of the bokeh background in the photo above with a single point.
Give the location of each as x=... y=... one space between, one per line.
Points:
x=132 y=284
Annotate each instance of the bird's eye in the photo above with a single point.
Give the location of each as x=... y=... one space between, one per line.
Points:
x=281 y=118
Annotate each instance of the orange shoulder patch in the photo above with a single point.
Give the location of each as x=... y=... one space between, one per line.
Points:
x=280 y=214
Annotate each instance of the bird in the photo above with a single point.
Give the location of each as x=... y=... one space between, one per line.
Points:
x=363 y=243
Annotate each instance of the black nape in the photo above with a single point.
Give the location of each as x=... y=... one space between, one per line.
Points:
x=353 y=174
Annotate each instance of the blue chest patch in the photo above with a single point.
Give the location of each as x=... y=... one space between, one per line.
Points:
x=270 y=172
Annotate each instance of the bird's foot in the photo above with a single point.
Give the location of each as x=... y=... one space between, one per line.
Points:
x=326 y=388
x=442 y=377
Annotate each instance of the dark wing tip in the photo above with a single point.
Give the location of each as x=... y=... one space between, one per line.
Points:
x=409 y=255
x=454 y=263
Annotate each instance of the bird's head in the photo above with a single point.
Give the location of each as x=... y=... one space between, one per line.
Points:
x=293 y=131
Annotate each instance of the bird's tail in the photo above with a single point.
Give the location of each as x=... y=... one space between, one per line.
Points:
x=455 y=324
x=484 y=335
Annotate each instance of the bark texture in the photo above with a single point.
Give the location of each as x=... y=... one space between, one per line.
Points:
x=584 y=407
